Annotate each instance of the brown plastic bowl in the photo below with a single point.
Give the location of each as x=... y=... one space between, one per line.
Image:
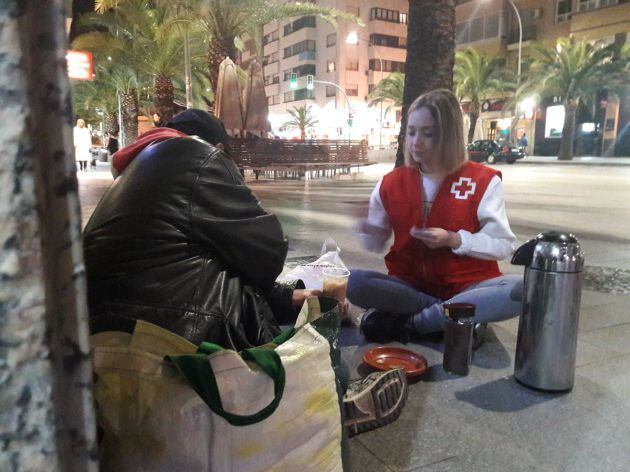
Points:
x=387 y=358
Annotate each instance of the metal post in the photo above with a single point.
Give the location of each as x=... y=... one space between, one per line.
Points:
x=520 y=46
x=380 y=129
x=121 y=130
x=188 y=84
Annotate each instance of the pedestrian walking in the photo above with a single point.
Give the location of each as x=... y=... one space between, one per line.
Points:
x=450 y=228
x=82 y=144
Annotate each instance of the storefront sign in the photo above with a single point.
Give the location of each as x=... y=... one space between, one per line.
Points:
x=79 y=65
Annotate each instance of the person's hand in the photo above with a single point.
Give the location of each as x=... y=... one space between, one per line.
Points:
x=436 y=237
x=300 y=295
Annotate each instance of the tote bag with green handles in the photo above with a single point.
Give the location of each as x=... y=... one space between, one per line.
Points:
x=164 y=404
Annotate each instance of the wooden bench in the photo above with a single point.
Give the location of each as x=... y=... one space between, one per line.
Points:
x=297 y=159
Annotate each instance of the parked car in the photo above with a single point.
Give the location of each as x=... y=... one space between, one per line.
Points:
x=490 y=151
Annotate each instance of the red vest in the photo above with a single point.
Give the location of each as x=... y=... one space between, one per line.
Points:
x=437 y=272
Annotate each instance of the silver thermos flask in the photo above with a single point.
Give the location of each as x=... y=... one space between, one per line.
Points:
x=458 y=337
x=547 y=332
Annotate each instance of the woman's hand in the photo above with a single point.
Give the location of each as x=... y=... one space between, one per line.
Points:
x=300 y=295
x=436 y=237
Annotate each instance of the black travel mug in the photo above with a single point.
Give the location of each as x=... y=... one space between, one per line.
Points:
x=458 y=337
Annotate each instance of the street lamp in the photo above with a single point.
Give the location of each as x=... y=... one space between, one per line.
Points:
x=353 y=38
x=520 y=41
x=520 y=49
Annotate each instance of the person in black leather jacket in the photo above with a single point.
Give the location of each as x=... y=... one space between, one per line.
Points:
x=180 y=241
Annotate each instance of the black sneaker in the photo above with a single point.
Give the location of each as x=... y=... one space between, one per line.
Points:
x=381 y=326
x=374 y=401
x=479 y=334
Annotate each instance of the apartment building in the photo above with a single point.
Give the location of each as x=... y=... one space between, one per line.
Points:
x=350 y=58
x=492 y=26
x=312 y=46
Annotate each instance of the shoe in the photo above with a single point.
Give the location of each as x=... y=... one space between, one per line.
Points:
x=380 y=326
x=479 y=334
x=374 y=401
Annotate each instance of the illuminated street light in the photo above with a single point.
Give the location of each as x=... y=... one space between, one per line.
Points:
x=353 y=38
x=293 y=83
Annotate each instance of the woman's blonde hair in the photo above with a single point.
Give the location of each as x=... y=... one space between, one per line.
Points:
x=448 y=135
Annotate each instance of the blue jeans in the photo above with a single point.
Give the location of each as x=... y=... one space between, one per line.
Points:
x=495 y=299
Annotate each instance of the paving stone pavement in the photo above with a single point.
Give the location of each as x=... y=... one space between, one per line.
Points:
x=485 y=421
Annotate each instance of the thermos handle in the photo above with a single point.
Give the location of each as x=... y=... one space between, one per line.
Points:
x=523 y=255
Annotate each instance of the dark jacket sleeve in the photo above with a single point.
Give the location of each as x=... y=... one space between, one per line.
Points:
x=280 y=299
x=227 y=217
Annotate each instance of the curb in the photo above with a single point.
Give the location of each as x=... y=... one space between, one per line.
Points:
x=580 y=161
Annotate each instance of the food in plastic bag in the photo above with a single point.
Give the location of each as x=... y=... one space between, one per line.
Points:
x=312 y=274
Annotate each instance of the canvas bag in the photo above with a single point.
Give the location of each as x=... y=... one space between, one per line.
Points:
x=151 y=419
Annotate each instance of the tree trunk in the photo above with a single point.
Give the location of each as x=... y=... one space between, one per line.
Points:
x=430 y=54
x=164 y=98
x=129 y=111
x=219 y=49
x=302 y=133
x=79 y=8
x=473 y=114
x=568 y=130
x=46 y=377
x=513 y=124
x=110 y=122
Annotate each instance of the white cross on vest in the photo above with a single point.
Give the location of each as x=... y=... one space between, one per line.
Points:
x=463 y=188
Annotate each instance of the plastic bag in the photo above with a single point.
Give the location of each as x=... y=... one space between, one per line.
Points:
x=311 y=274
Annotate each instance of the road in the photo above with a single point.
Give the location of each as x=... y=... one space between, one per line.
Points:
x=593 y=202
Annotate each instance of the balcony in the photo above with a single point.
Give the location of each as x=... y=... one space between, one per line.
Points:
x=307 y=56
x=529 y=34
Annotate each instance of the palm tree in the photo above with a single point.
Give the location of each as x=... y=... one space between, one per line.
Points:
x=477 y=77
x=90 y=97
x=430 y=54
x=389 y=90
x=79 y=8
x=301 y=118
x=577 y=70
x=226 y=22
x=141 y=34
x=517 y=92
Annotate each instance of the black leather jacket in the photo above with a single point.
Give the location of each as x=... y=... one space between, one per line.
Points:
x=180 y=241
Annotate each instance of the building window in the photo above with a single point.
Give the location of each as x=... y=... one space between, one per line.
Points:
x=270 y=59
x=477 y=29
x=272 y=79
x=330 y=66
x=298 y=48
x=301 y=71
x=387 y=41
x=273 y=100
x=371 y=88
x=301 y=94
x=584 y=5
x=300 y=23
x=331 y=40
x=352 y=90
x=563 y=10
x=352 y=64
x=388 y=66
x=269 y=37
x=330 y=91
x=383 y=14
